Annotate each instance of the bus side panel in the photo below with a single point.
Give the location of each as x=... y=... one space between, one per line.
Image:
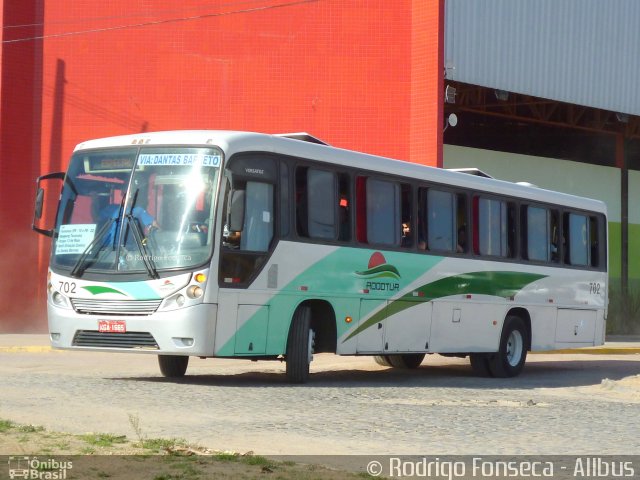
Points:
x=462 y=325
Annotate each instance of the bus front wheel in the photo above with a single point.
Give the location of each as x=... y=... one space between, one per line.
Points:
x=509 y=360
x=173 y=366
x=300 y=346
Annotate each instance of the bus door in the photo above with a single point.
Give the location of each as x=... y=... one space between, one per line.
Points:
x=248 y=238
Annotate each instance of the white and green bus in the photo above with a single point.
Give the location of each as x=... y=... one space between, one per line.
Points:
x=255 y=246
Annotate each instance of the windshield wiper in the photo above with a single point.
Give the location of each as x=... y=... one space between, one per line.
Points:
x=138 y=236
x=80 y=265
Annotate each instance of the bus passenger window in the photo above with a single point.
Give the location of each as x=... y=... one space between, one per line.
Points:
x=537 y=234
x=555 y=241
x=492 y=227
x=322 y=204
x=578 y=245
x=461 y=223
x=384 y=224
x=258 y=217
x=249 y=217
x=440 y=220
x=595 y=241
x=407 y=216
x=344 y=207
x=248 y=231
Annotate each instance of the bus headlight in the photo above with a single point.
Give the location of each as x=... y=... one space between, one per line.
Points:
x=59 y=299
x=194 y=291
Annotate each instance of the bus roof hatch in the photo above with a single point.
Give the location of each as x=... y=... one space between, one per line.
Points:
x=302 y=136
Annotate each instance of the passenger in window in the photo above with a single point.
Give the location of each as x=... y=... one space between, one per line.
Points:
x=230 y=239
x=406 y=235
x=104 y=211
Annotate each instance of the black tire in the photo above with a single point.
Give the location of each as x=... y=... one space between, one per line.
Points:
x=173 y=366
x=406 y=360
x=299 y=346
x=509 y=360
x=382 y=360
x=480 y=364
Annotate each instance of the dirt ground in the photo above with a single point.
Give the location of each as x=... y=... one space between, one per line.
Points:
x=120 y=457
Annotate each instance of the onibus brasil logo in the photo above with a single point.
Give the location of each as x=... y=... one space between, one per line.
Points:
x=34 y=468
x=380 y=276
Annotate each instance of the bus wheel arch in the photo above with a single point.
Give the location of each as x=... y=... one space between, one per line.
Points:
x=523 y=313
x=323 y=324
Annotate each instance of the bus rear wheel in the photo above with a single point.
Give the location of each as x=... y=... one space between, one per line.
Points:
x=382 y=360
x=173 y=366
x=480 y=364
x=300 y=346
x=509 y=360
x=406 y=360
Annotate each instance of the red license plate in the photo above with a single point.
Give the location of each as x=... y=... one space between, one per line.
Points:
x=112 y=326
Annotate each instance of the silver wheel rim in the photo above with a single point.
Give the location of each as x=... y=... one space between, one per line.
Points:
x=312 y=336
x=515 y=347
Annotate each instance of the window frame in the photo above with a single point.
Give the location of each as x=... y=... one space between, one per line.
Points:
x=346 y=175
x=511 y=243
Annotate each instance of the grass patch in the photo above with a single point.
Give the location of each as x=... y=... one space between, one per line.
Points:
x=227 y=457
x=30 y=428
x=257 y=460
x=624 y=311
x=6 y=425
x=158 y=444
x=103 y=439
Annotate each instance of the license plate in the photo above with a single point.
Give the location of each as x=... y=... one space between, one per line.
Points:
x=112 y=326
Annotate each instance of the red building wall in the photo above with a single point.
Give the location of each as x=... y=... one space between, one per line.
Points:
x=360 y=74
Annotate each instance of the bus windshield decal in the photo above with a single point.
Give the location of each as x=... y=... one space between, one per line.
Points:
x=181 y=159
x=74 y=238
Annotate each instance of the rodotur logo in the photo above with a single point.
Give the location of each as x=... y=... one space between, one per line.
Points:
x=380 y=276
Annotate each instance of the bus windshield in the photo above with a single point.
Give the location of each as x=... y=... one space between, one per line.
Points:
x=137 y=210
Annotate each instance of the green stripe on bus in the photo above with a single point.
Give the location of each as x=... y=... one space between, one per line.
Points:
x=498 y=284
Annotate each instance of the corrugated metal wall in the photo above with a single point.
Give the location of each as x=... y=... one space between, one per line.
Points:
x=584 y=52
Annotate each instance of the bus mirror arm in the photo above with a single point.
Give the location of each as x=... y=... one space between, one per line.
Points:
x=39 y=204
x=236 y=211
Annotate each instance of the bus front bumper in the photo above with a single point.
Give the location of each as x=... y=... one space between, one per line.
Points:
x=187 y=331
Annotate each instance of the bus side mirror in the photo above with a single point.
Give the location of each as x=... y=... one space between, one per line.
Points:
x=37 y=214
x=236 y=211
x=39 y=206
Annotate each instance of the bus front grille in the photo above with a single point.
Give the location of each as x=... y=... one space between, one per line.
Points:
x=115 y=307
x=135 y=340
